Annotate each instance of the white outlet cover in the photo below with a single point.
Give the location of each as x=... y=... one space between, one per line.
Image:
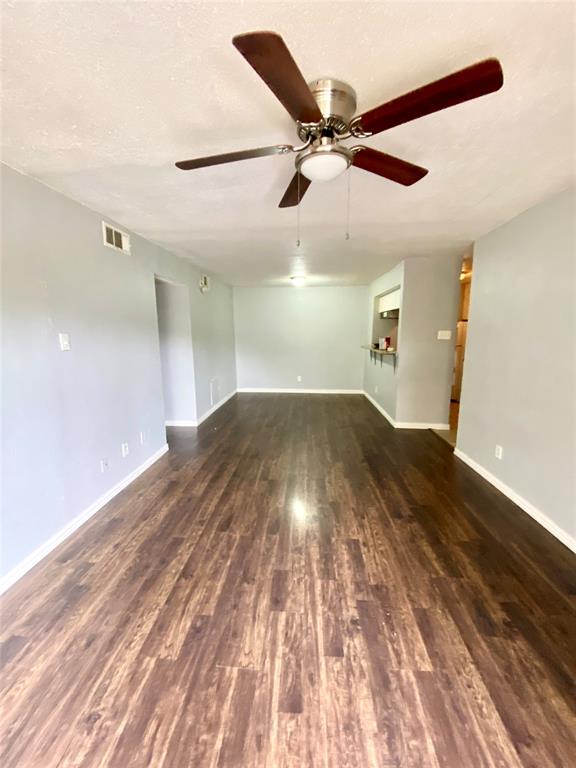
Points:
x=298 y=378
x=498 y=452
x=64 y=341
x=104 y=465
x=444 y=335
x=125 y=449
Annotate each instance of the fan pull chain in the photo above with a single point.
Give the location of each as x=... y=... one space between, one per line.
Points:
x=298 y=214
x=347 y=235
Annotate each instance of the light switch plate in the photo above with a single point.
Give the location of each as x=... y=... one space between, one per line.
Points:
x=444 y=335
x=64 y=341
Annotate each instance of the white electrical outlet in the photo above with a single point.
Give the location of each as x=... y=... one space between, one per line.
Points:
x=104 y=466
x=444 y=335
x=298 y=378
x=142 y=438
x=498 y=452
x=64 y=341
x=125 y=449
x=375 y=389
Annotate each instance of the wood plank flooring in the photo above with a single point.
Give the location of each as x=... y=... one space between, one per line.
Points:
x=296 y=584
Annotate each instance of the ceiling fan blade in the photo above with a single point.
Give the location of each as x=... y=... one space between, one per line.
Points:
x=470 y=83
x=232 y=157
x=387 y=165
x=268 y=55
x=291 y=195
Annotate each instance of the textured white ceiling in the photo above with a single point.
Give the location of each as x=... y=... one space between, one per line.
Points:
x=100 y=98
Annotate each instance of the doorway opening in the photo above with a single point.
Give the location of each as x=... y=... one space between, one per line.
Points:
x=450 y=435
x=176 y=358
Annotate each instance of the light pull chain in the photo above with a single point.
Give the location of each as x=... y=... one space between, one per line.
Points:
x=298 y=214
x=347 y=235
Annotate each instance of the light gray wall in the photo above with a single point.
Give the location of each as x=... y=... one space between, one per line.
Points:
x=415 y=388
x=175 y=335
x=212 y=324
x=430 y=298
x=62 y=412
x=316 y=333
x=519 y=388
x=380 y=375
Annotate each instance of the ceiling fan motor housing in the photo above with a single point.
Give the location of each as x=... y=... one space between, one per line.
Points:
x=337 y=102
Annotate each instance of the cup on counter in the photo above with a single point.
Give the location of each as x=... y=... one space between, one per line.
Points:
x=384 y=343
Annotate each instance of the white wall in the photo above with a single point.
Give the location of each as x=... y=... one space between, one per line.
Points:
x=315 y=333
x=177 y=363
x=519 y=386
x=62 y=412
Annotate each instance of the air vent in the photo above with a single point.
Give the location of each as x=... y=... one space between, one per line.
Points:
x=114 y=238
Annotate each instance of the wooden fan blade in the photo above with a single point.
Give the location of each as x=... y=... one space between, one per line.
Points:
x=387 y=165
x=232 y=157
x=291 y=195
x=470 y=83
x=268 y=55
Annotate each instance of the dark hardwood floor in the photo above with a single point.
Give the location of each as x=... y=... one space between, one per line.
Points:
x=296 y=584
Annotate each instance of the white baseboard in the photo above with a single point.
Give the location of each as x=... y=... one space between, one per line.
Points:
x=209 y=412
x=404 y=424
x=382 y=410
x=264 y=390
x=44 y=549
x=523 y=503
x=215 y=407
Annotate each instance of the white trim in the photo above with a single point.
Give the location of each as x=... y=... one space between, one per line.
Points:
x=378 y=407
x=162 y=279
x=217 y=405
x=44 y=549
x=404 y=424
x=523 y=503
x=264 y=390
x=209 y=412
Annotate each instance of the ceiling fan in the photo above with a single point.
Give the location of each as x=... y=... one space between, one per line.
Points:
x=324 y=114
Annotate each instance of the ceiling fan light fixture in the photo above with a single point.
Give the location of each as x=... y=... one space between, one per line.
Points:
x=324 y=163
x=323 y=167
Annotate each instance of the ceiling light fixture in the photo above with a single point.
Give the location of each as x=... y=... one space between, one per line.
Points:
x=298 y=281
x=325 y=161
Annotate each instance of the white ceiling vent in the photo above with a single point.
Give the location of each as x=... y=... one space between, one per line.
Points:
x=114 y=238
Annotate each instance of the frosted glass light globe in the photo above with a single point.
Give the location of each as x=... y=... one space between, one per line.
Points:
x=323 y=166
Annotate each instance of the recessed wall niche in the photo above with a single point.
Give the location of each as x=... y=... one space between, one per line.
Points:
x=386 y=316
